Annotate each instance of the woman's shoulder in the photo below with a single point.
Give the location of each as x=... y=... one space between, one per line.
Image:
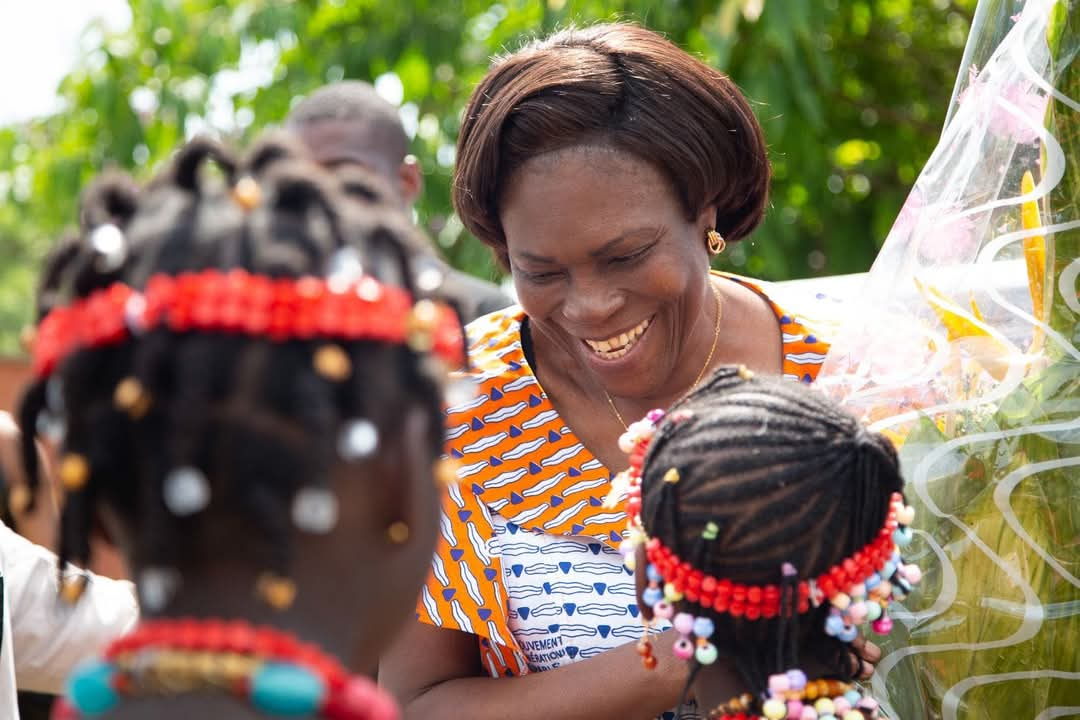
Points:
x=804 y=326
x=495 y=339
x=497 y=366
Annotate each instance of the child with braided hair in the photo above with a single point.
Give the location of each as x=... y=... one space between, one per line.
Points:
x=246 y=387
x=764 y=523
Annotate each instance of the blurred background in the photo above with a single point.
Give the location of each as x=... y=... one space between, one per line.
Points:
x=852 y=95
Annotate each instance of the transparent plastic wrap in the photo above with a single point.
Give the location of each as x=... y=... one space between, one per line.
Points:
x=964 y=350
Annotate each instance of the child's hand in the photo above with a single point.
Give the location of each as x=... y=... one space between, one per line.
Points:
x=868 y=655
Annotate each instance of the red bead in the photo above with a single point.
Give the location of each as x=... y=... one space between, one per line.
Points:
x=360 y=699
x=62 y=710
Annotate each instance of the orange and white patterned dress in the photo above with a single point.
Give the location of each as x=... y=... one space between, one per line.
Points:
x=527 y=558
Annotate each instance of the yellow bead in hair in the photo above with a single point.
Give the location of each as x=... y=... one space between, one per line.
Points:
x=446 y=472
x=72 y=588
x=246 y=193
x=398 y=533
x=19 y=499
x=132 y=397
x=74 y=471
x=278 y=592
x=332 y=363
x=423 y=319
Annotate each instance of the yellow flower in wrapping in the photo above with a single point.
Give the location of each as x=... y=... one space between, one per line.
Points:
x=992 y=350
x=1034 y=255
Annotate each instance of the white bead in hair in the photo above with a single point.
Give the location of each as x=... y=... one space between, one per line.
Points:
x=186 y=491
x=54 y=395
x=358 y=439
x=135 y=314
x=460 y=391
x=111 y=247
x=429 y=274
x=315 y=510
x=343 y=269
x=157 y=585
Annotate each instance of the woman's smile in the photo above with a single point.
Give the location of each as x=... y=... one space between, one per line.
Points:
x=619 y=344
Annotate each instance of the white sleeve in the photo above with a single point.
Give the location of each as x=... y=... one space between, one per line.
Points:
x=50 y=637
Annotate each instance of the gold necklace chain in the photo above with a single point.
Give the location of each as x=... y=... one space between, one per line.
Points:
x=701 y=373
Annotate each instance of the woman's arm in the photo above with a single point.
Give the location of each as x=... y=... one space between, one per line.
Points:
x=436 y=673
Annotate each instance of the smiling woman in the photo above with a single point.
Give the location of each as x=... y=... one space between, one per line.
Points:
x=602 y=166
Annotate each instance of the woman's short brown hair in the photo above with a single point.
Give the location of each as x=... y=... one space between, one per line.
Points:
x=620 y=85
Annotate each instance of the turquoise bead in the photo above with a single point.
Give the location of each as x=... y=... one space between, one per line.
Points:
x=90 y=688
x=853 y=697
x=287 y=690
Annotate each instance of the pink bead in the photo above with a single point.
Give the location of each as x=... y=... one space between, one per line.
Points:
x=840 y=706
x=663 y=610
x=913 y=574
x=683 y=649
x=779 y=683
x=794 y=709
x=808 y=713
x=883 y=625
x=684 y=623
x=857 y=613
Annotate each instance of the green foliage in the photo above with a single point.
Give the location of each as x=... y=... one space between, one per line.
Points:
x=852 y=95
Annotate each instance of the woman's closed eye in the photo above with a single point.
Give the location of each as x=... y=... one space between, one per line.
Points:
x=541 y=277
x=631 y=257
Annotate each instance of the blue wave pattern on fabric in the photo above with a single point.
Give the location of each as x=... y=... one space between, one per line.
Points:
x=570 y=610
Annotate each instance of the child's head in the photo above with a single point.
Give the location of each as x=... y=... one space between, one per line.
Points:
x=748 y=489
x=246 y=388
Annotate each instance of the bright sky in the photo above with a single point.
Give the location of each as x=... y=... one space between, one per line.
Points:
x=39 y=44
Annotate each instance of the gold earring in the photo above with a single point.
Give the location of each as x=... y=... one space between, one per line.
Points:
x=715 y=241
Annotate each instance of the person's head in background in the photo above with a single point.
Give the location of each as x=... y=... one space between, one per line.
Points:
x=750 y=488
x=254 y=452
x=349 y=124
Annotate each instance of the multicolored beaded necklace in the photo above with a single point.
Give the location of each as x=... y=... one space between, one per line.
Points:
x=273 y=670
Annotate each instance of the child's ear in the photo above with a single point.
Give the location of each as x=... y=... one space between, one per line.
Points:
x=640 y=580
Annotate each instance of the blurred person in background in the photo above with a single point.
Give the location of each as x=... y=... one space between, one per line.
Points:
x=348 y=124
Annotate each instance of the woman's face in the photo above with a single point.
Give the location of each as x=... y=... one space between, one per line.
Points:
x=606 y=264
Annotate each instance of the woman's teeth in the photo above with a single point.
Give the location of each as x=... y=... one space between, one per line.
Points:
x=618 y=345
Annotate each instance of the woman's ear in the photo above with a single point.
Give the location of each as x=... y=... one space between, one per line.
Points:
x=640 y=581
x=706 y=219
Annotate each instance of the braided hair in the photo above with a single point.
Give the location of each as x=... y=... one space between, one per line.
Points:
x=786 y=476
x=255 y=416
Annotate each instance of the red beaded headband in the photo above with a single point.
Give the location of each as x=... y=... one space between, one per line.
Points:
x=239 y=302
x=763 y=601
x=863 y=577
